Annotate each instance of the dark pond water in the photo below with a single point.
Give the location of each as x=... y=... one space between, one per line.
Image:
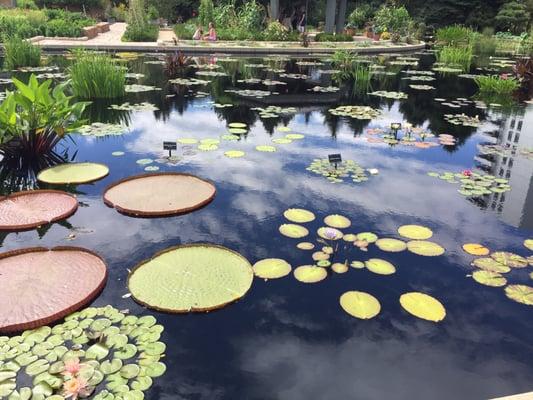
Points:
x=286 y=339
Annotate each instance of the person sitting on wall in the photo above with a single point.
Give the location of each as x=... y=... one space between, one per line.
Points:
x=211 y=34
x=198 y=35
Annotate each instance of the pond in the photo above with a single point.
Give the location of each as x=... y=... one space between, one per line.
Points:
x=286 y=339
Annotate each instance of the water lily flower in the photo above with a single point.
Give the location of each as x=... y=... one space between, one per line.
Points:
x=467 y=172
x=373 y=171
x=72 y=366
x=74 y=388
x=330 y=234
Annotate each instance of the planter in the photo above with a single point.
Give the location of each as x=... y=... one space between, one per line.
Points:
x=369 y=34
x=350 y=31
x=377 y=36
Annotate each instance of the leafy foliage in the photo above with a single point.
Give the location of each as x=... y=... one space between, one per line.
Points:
x=456 y=56
x=206 y=12
x=454 y=35
x=97 y=76
x=331 y=37
x=513 y=17
x=392 y=19
x=175 y=64
x=494 y=84
x=139 y=28
x=360 y=16
x=21 y=53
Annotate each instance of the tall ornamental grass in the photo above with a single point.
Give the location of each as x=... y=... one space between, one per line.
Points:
x=495 y=84
x=454 y=35
x=97 y=76
x=21 y=53
x=456 y=56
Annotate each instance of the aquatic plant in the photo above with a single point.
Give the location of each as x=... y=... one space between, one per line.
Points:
x=494 y=84
x=344 y=170
x=456 y=57
x=454 y=35
x=523 y=72
x=474 y=184
x=97 y=352
x=208 y=277
x=21 y=53
x=96 y=76
x=176 y=64
x=73 y=173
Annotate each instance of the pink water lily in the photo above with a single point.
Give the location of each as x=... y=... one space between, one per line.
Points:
x=467 y=172
x=74 y=388
x=72 y=367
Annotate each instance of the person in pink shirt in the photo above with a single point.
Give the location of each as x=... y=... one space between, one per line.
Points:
x=211 y=34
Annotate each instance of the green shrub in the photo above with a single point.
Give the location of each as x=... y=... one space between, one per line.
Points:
x=494 y=84
x=139 y=28
x=61 y=27
x=185 y=31
x=456 y=57
x=332 y=37
x=251 y=16
x=21 y=53
x=206 y=12
x=275 y=31
x=392 y=19
x=454 y=35
x=97 y=76
x=27 y=4
x=485 y=43
x=225 y=15
x=360 y=16
x=513 y=17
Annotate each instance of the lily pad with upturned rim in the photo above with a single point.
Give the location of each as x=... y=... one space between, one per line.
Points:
x=191 y=278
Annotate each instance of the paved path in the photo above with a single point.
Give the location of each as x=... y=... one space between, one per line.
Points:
x=112 y=41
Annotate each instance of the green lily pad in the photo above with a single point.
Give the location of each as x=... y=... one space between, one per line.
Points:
x=97 y=351
x=520 y=293
x=488 y=278
x=130 y=371
x=510 y=259
x=37 y=367
x=380 y=267
x=109 y=367
x=360 y=305
x=391 y=245
x=126 y=352
x=154 y=370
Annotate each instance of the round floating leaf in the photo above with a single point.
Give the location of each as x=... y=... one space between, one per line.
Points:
x=294 y=136
x=510 y=259
x=234 y=154
x=117 y=153
x=340 y=268
x=488 y=278
x=357 y=264
x=155 y=369
x=425 y=248
x=350 y=237
x=73 y=173
x=391 y=245
x=323 y=263
x=189 y=278
x=476 y=249
x=281 y=141
x=310 y=274
x=126 y=352
x=379 y=266
x=160 y=194
x=423 y=306
x=520 y=293
x=337 y=221
x=141 y=383
x=491 y=265
x=272 y=268
x=528 y=243
x=293 y=231
x=237 y=131
x=360 y=304
x=305 y=246
x=415 y=232
x=267 y=149
x=37 y=367
x=237 y=125
x=151 y=168
x=97 y=352
x=130 y=371
x=207 y=147
x=329 y=233
x=31 y=209
x=41 y=286
x=299 y=215
x=110 y=367
x=320 y=255
x=367 y=237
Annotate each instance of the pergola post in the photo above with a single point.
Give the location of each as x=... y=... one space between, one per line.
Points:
x=341 y=16
x=331 y=8
x=274 y=10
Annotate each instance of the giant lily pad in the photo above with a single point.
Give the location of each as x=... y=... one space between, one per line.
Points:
x=415 y=232
x=293 y=231
x=191 y=278
x=30 y=209
x=360 y=304
x=272 y=268
x=159 y=194
x=488 y=278
x=520 y=293
x=423 y=306
x=40 y=286
x=391 y=245
x=510 y=259
x=380 y=267
x=73 y=173
x=310 y=274
x=425 y=248
x=337 y=221
x=299 y=215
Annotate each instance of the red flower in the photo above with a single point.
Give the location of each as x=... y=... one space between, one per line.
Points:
x=467 y=172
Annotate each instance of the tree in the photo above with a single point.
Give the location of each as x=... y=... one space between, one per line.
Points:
x=512 y=17
x=206 y=12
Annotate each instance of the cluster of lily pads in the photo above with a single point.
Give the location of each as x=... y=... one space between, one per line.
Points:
x=258 y=94
x=144 y=106
x=491 y=268
x=474 y=184
x=356 y=112
x=100 y=129
x=102 y=353
x=274 y=111
x=410 y=136
x=347 y=169
x=389 y=95
x=462 y=119
x=333 y=247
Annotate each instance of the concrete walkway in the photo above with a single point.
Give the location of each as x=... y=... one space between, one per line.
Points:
x=112 y=41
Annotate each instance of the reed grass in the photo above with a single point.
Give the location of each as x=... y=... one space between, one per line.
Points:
x=494 y=84
x=456 y=56
x=97 y=76
x=21 y=53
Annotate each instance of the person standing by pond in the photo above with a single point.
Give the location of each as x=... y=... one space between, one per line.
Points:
x=302 y=22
